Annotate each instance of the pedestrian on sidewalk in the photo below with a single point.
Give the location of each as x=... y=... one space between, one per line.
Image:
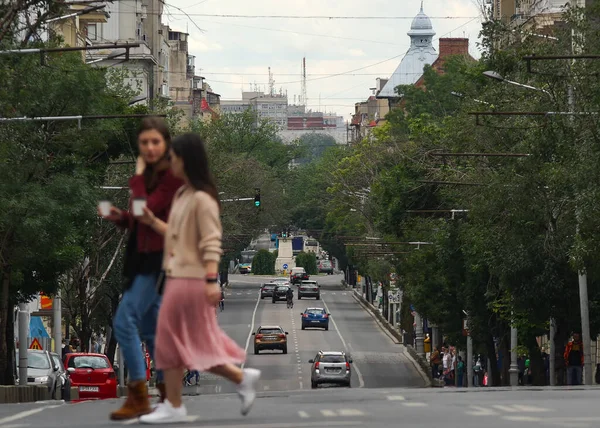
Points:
x=188 y=334
x=135 y=319
x=574 y=360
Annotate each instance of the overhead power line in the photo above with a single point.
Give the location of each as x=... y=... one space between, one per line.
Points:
x=332 y=17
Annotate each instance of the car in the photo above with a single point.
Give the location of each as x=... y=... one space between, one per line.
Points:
x=63 y=375
x=267 y=290
x=245 y=268
x=270 y=337
x=330 y=367
x=92 y=375
x=42 y=370
x=298 y=275
x=325 y=266
x=309 y=289
x=315 y=318
x=280 y=293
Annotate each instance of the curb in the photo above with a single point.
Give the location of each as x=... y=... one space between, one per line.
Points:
x=420 y=363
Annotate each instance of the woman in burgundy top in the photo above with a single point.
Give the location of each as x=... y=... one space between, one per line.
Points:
x=137 y=313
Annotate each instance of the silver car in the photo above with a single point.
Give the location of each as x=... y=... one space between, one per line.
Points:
x=42 y=370
x=330 y=367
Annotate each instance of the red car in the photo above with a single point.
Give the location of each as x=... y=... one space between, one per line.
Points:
x=93 y=375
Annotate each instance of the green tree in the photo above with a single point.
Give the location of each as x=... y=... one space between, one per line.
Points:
x=308 y=261
x=263 y=263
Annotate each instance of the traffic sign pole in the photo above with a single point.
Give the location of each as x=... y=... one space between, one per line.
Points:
x=23 y=327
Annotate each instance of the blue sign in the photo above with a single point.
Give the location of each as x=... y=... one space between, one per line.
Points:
x=285 y=266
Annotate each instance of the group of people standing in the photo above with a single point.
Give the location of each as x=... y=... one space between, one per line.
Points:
x=447 y=366
x=171 y=270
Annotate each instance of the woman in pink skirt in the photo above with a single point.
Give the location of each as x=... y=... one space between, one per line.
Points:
x=188 y=335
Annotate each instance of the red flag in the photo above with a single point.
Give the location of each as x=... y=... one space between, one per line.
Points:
x=204 y=105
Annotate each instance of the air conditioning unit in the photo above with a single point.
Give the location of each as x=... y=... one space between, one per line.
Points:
x=164 y=90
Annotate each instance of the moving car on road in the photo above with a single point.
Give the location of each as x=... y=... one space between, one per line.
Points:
x=298 y=275
x=93 y=375
x=315 y=318
x=309 y=289
x=330 y=367
x=325 y=266
x=280 y=293
x=267 y=290
x=270 y=337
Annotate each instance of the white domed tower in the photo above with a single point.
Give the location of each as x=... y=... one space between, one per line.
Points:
x=420 y=53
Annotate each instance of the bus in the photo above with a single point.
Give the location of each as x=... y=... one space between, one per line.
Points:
x=246 y=261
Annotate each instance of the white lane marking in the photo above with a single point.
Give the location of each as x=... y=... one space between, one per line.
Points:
x=395 y=398
x=507 y=409
x=328 y=413
x=361 y=380
x=414 y=404
x=22 y=415
x=290 y=425
x=16 y=426
x=344 y=294
x=525 y=419
x=301 y=385
x=481 y=411
x=251 y=328
x=525 y=408
x=351 y=412
x=303 y=414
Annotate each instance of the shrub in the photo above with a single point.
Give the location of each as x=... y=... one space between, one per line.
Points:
x=308 y=261
x=263 y=263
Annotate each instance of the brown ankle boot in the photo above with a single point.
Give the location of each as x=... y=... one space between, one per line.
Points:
x=162 y=392
x=137 y=403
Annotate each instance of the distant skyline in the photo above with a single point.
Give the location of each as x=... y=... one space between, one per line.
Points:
x=233 y=53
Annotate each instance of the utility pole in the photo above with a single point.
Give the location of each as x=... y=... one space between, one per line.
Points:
x=552 y=352
x=419 y=345
x=470 y=361
x=514 y=368
x=57 y=322
x=23 y=329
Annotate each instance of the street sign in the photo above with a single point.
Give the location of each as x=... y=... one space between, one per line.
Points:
x=285 y=266
x=395 y=296
x=35 y=344
x=465 y=329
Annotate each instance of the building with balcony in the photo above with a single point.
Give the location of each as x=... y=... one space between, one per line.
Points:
x=79 y=30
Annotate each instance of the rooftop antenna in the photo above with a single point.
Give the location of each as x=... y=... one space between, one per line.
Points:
x=271 y=83
x=304 y=96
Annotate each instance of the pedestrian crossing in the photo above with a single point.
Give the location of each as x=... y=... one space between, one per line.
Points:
x=327 y=413
x=499 y=410
x=253 y=293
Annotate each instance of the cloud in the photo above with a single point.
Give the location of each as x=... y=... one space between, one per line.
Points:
x=356 y=52
x=235 y=52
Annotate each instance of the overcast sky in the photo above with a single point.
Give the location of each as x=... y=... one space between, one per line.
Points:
x=233 y=53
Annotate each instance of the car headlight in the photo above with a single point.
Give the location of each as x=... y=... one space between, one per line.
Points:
x=42 y=379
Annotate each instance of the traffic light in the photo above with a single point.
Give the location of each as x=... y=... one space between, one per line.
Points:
x=257 y=197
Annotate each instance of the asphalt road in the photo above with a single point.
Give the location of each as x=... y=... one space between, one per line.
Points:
x=285 y=393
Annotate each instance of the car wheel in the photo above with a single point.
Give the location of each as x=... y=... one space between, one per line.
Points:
x=299 y=297
x=256 y=351
x=303 y=327
x=319 y=297
x=285 y=350
x=262 y=297
x=314 y=385
x=326 y=328
x=349 y=385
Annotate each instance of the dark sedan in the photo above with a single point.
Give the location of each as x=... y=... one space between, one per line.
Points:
x=267 y=290
x=280 y=293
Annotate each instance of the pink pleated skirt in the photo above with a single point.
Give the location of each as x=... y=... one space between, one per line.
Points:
x=188 y=334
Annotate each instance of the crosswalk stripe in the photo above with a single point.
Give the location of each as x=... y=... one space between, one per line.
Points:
x=351 y=412
x=508 y=409
x=328 y=413
x=395 y=398
x=414 y=404
x=303 y=414
x=525 y=408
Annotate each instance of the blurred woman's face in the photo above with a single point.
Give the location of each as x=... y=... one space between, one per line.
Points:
x=177 y=166
x=152 y=146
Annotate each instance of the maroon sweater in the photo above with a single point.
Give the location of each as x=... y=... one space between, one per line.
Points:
x=159 y=202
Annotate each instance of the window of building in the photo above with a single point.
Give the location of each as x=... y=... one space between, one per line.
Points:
x=90 y=29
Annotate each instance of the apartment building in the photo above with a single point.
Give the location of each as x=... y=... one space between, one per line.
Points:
x=537 y=14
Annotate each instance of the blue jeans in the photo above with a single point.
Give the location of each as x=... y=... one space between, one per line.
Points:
x=135 y=321
x=574 y=375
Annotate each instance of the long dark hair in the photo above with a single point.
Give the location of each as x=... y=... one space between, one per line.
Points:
x=190 y=148
x=155 y=123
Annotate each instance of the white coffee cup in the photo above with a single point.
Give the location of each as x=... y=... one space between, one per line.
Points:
x=104 y=207
x=138 y=206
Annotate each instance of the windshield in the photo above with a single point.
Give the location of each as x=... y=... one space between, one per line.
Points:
x=315 y=311
x=270 y=331
x=247 y=256
x=326 y=263
x=36 y=360
x=88 y=362
x=309 y=284
x=269 y=286
x=56 y=360
x=284 y=288
x=333 y=359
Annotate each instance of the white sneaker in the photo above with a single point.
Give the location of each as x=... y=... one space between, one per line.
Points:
x=247 y=389
x=165 y=413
